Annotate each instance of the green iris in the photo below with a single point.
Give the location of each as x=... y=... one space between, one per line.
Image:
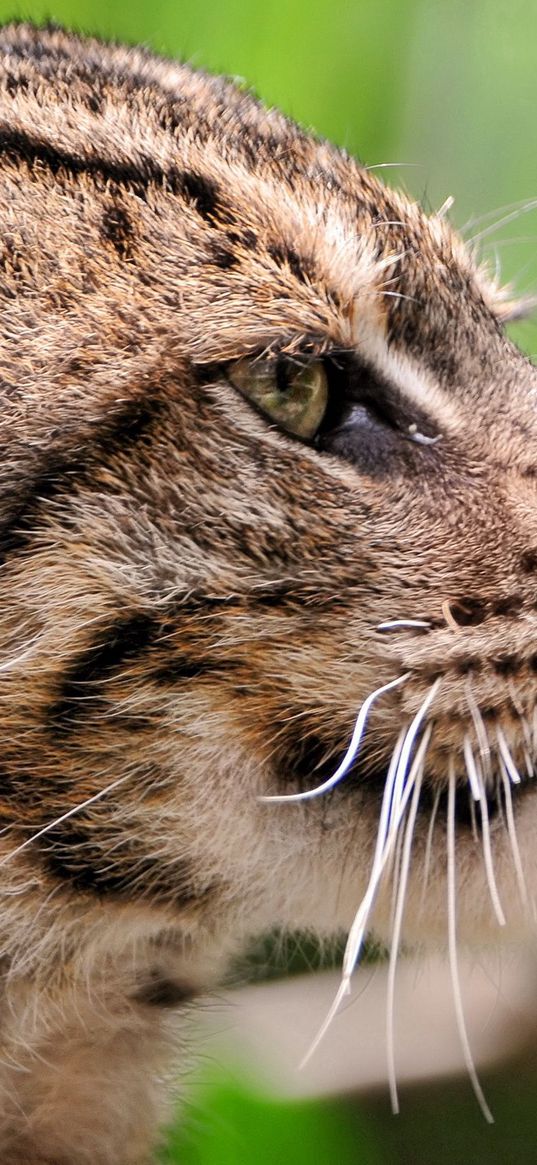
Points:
x=293 y=396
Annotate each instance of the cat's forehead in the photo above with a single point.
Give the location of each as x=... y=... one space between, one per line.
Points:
x=237 y=211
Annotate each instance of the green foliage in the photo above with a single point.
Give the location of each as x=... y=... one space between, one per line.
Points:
x=235 y=1126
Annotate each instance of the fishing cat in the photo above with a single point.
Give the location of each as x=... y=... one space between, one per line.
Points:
x=267 y=460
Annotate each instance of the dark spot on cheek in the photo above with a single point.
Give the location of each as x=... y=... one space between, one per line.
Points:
x=468 y=665
x=91 y=863
x=528 y=561
x=246 y=238
x=468 y=611
x=202 y=192
x=161 y=991
x=285 y=256
x=506 y=665
x=114 y=647
x=117 y=229
x=223 y=256
x=509 y=605
x=15 y=84
x=92 y=100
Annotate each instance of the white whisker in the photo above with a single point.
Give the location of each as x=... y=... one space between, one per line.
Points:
x=397 y=791
x=487 y=854
x=65 y=817
x=351 y=752
x=480 y=730
x=429 y=848
x=528 y=760
x=445 y=207
x=487 y=215
x=452 y=946
x=501 y=222
x=395 y=165
x=396 y=937
x=505 y=753
x=387 y=798
x=392 y=624
x=473 y=820
x=393 y=871
x=342 y=991
x=385 y=841
x=511 y=829
x=471 y=769
x=401 y=295
x=399 y=783
x=382 y=853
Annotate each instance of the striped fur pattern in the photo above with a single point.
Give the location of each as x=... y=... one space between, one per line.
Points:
x=194 y=603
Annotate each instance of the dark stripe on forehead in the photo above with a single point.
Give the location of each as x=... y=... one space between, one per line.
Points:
x=197 y=189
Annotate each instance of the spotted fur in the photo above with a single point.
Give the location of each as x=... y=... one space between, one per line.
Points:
x=190 y=597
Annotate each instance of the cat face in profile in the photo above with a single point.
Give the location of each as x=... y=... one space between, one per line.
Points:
x=267 y=461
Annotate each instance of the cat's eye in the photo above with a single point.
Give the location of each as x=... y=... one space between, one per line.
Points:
x=294 y=396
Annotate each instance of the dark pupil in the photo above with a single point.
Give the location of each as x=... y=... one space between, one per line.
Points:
x=283 y=375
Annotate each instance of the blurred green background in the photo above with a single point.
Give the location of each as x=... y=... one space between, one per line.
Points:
x=447 y=90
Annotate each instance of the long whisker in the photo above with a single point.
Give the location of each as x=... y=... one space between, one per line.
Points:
x=351 y=752
x=395 y=165
x=480 y=730
x=513 y=839
x=394 y=624
x=505 y=753
x=518 y=206
x=396 y=938
x=501 y=222
x=489 y=864
x=387 y=834
x=453 y=958
x=382 y=853
x=471 y=769
x=429 y=848
x=393 y=871
x=65 y=817
x=399 y=784
x=487 y=848
x=387 y=799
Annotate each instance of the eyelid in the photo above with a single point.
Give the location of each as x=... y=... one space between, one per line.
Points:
x=360 y=384
x=351 y=385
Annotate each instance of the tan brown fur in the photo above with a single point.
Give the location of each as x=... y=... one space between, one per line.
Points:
x=190 y=597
